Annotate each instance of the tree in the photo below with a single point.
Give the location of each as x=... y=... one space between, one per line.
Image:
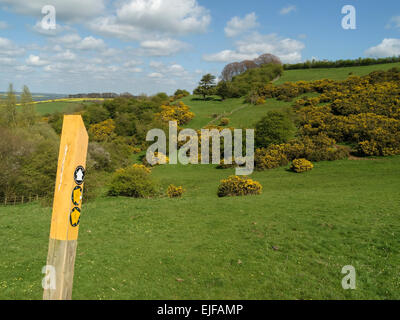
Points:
x=180 y=92
x=28 y=114
x=223 y=90
x=11 y=107
x=275 y=128
x=206 y=86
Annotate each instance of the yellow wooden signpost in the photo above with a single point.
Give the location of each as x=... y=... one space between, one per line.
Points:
x=67 y=207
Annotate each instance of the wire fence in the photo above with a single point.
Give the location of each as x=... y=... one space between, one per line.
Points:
x=15 y=200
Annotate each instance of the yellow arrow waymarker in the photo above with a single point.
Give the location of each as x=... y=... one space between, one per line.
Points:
x=67 y=204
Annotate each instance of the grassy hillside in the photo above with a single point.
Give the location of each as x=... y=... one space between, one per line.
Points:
x=243 y=115
x=342 y=213
x=291 y=242
x=331 y=73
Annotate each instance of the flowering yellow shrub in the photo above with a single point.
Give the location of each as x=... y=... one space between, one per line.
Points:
x=361 y=111
x=157 y=158
x=260 y=101
x=313 y=148
x=102 y=131
x=238 y=186
x=270 y=158
x=142 y=166
x=179 y=112
x=175 y=192
x=136 y=149
x=301 y=165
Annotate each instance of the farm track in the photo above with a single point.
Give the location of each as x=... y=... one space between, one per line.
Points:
x=225 y=114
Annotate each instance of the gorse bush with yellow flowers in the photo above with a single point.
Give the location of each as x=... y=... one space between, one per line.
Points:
x=177 y=112
x=142 y=167
x=363 y=112
x=301 y=165
x=238 y=186
x=156 y=159
x=175 y=192
x=103 y=131
x=314 y=148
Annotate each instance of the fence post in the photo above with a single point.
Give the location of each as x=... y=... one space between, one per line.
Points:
x=15 y=199
x=22 y=199
x=5 y=200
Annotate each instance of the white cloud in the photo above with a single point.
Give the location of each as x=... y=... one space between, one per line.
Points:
x=35 y=61
x=156 y=64
x=8 y=48
x=387 y=48
x=287 y=10
x=91 y=43
x=24 y=69
x=71 y=10
x=394 y=22
x=171 y=16
x=134 y=70
x=7 y=61
x=141 y=20
x=174 y=69
x=74 y=41
x=163 y=47
x=66 y=55
x=69 y=39
x=51 y=32
x=288 y=50
x=155 y=75
x=228 y=56
x=238 y=26
x=132 y=63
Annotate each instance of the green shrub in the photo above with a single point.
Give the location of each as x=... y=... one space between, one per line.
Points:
x=238 y=186
x=275 y=128
x=132 y=182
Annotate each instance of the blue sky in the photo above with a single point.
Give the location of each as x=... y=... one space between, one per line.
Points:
x=148 y=46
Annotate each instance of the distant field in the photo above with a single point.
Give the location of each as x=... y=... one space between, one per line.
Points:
x=57 y=106
x=331 y=73
x=341 y=213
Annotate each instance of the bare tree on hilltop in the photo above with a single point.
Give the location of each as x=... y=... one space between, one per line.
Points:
x=233 y=69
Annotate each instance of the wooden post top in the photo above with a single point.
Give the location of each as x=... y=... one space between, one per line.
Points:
x=70 y=175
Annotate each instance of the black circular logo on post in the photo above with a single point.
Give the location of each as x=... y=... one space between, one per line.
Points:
x=75 y=216
x=79 y=175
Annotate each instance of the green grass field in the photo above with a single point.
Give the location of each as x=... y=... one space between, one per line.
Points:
x=57 y=106
x=332 y=73
x=291 y=242
x=341 y=213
